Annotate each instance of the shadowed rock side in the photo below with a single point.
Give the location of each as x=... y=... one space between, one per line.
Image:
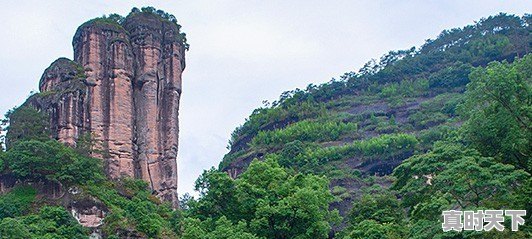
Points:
x=158 y=64
x=63 y=98
x=123 y=89
x=103 y=51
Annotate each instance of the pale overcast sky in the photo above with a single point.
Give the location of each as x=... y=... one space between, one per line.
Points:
x=242 y=52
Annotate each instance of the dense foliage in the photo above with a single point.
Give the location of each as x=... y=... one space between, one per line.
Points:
x=25 y=123
x=377 y=214
x=50 y=160
x=382 y=147
x=49 y=222
x=305 y=131
x=133 y=208
x=451 y=117
x=499 y=110
x=17 y=202
x=117 y=20
x=17 y=222
x=266 y=201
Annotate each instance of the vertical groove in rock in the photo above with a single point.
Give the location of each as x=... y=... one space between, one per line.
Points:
x=62 y=97
x=156 y=47
x=121 y=108
x=103 y=51
x=122 y=88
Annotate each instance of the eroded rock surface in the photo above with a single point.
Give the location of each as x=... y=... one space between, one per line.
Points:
x=123 y=89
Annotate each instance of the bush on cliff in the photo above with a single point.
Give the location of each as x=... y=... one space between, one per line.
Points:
x=133 y=208
x=52 y=161
x=25 y=123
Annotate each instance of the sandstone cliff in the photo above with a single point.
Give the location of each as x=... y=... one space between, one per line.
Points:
x=122 y=89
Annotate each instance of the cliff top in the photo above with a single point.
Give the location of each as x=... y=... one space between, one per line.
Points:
x=62 y=69
x=147 y=16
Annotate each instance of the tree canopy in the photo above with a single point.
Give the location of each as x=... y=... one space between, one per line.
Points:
x=51 y=160
x=498 y=108
x=265 y=202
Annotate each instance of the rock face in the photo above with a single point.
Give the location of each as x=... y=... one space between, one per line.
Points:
x=122 y=89
x=103 y=51
x=158 y=65
x=63 y=95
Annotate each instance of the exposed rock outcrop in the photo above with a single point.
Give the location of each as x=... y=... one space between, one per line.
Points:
x=104 y=52
x=63 y=95
x=123 y=89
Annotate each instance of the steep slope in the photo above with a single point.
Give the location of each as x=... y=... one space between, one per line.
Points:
x=358 y=128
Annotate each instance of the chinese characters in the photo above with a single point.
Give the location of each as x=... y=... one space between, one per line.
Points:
x=481 y=220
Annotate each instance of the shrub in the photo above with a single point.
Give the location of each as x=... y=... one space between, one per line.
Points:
x=49 y=222
x=382 y=146
x=276 y=117
x=451 y=76
x=422 y=120
x=17 y=202
x=305 y=131
x=132 y=203
x=405 y=88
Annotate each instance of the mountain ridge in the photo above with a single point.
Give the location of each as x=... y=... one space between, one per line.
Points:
x=411 y=95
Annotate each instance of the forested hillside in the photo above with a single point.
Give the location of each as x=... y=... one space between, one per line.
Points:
x=418 y=131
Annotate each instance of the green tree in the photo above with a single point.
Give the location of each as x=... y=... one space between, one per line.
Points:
x=452 y=76
x=85 y=144
x=49 y=222
x=25 y=123
x=268 y=199
x=498 y=108
x=371 y=229
x=284 y=205
x=217 y=196
x=377 y=214
x=380 y=205
x=11 y=228
x=223 y=229
x=53 y=222
x=458 y=174
x=16 y=202
x=453 y=176
x=51 y=160
x=134 y=209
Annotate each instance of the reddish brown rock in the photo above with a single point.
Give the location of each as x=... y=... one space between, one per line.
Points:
x=123 y=89
x=62 y=96
x=158 y=64
x=103 y=51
